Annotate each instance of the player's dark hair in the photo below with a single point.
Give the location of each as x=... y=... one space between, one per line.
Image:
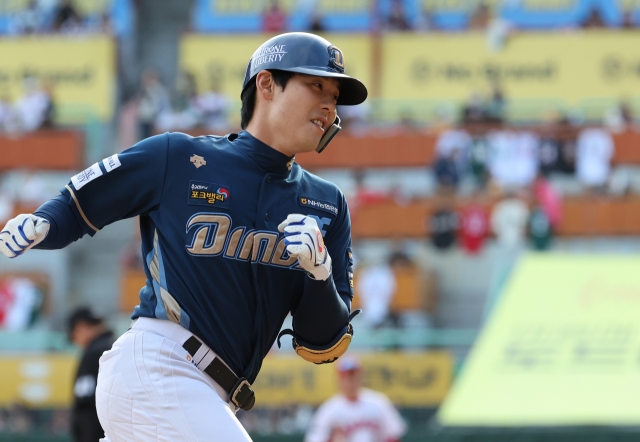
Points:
x=281 y=78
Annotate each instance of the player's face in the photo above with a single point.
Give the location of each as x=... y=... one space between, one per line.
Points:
x=350 y=382
x=303 y=111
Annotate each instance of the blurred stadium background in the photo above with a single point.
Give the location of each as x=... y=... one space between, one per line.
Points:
x=493 y=178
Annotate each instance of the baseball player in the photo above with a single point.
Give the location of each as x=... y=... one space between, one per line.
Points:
x=356 y=414
x=87 y=331
x=235 y=235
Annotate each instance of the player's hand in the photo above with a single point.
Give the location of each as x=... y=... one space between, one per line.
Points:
x=303 y=239
x=22 y=233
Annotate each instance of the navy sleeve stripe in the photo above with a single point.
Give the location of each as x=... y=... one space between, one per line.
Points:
x=84 y=217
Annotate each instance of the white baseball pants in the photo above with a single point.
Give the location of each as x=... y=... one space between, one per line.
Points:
x=148 y=390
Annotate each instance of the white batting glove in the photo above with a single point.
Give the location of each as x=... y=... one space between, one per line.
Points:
x=303 y=240
x=22 y=233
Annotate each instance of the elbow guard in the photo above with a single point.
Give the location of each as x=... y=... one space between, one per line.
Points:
x=322 y=354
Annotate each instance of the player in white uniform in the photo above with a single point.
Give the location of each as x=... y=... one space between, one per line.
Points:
x=356 y=414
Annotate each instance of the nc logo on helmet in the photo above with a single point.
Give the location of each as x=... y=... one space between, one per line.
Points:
x=336 y=58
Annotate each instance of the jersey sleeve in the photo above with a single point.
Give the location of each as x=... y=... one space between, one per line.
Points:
x=393 y=426
x=338 y=242
x=122 y=186
x=322 y=314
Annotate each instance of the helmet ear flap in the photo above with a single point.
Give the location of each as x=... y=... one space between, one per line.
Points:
x=331 y=132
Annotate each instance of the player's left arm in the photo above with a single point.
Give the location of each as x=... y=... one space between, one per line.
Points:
x=393 y=426
x=321 y=320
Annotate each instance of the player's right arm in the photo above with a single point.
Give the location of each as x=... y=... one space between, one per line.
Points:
x=122 y=186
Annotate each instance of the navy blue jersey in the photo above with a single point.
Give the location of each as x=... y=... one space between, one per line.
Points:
x=209 y=209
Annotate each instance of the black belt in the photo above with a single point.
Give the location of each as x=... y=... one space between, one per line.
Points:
x=239 y=389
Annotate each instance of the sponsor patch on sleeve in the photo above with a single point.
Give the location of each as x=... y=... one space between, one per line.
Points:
x=113 y=162
x=317 y=204
x=86 y=176
x=208 y=194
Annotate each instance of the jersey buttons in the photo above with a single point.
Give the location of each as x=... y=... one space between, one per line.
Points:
x=269 y=179
x=266 y=217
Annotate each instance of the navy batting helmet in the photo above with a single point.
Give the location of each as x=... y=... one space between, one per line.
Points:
x=306 y=54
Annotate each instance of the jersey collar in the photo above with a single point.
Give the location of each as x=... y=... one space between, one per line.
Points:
x=269 y=159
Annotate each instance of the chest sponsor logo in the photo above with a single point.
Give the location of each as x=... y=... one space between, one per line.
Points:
x=208 y=194
x=198 y=161
x=317 y=204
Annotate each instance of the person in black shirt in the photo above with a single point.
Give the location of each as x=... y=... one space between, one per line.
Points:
x=66 y=16
x=88 y=331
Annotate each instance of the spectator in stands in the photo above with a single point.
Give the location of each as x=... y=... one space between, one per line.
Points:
x=593 y=157
x=66 y=17
x=397 y=20
x=497 y=33
x=594 y=19
x=474 y=226
x=473 y=110
x=364 y=196
x=479 y=161
x=355 y=118
x=32 y=192
x=549 y=155
x=407 y=122
x=567 y=161
x=31 y=20
x=424 y=21
x=316 y=24
x=540 y=230
x=457 y=140
x=509 y=221
x=182 y=115
x=443 y=224
x=87 y=331
x=7 y=114
x=376 y=286
x=480 y=18
x=48 y=120
x=100 y=24
x=356 y=414
x=549 y=200
x=446 y=172
x=153 y=100
x=514 y=158
x=213 y=107
x=627 y=19
x=619 y=117
x=20 y=303
x=274 y=19
x=33 y=108
x=495 y=107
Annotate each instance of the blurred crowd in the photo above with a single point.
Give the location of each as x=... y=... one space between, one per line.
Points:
x=158 y=110
x=484 y=17
x=17 y=420
x=481 y=17
x=31 y=111
x=57 y=16
x=512 y=158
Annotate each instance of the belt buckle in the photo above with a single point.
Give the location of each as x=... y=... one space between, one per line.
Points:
x=242 y=395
